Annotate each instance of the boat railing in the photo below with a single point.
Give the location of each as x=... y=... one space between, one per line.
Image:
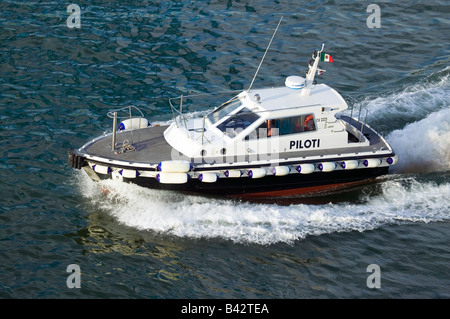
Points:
x=178 y=114
x=126 y=112
x=362 y=112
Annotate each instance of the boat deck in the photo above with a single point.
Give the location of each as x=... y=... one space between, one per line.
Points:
x=149 y=144
x=151 y=148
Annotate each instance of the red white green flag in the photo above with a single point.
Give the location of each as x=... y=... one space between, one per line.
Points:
x=326 y=57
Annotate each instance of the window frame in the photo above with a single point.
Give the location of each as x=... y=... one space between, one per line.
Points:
x=301 y=117
x=246 y=111
x=234 y=101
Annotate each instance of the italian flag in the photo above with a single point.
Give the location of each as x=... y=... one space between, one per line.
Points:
x=326 y=57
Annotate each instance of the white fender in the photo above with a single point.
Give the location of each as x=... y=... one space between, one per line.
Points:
x=327 y=166
x=280 y=170
x=306 y=168
x=372 y=162
x=256 y=173
x=172 y=178
x=174 y=166
x=101 y=169
x=133 y=123
x=129 y=173
x=351 y=164
x=392 y=160
x=207 y=177
x=233 y=173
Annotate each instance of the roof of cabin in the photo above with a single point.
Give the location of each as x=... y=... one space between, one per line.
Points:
x=284 y=97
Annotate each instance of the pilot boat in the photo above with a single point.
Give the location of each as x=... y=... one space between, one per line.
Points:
x=268 y=142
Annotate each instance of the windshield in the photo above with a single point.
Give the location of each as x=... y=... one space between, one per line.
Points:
x=238 y=122
x=224 y=110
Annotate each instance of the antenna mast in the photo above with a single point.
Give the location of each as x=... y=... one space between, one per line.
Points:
x=311 y=72
x=267 y=49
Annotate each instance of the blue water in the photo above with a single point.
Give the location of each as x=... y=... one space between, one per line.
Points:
x=57 y=84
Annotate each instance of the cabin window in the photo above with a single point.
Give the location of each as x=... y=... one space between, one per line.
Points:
x=238 y=122
x=284 y=126
x=223 y=110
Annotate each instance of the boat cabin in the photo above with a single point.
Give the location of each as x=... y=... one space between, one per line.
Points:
x=267 y=121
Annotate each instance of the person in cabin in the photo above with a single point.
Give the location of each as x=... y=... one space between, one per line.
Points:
x=270 y=125
x=309 y=123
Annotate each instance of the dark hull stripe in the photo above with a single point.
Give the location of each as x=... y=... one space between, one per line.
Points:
x=277 y=185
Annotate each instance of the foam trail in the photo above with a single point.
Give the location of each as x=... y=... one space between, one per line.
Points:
x=421 y=113
x=400 y=200
x=415 y=101
x=423 y=146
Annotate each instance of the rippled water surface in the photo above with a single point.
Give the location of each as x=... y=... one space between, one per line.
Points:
x=57 y=84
